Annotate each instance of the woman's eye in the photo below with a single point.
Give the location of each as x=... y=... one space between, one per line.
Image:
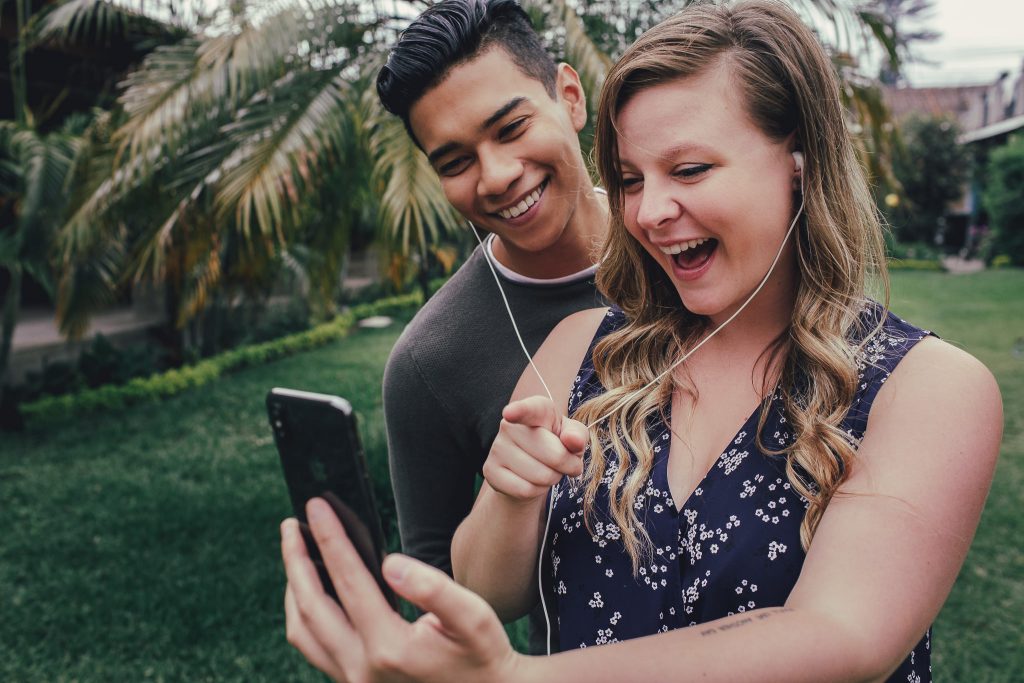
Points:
x=691 y=170
x=632 y=184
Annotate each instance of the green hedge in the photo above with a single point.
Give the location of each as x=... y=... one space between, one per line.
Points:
x=914 y=264
x=112 y=397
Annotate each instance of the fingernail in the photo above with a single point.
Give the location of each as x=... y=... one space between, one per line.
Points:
x=289 y=528
x=314 y=511
x=395 y=567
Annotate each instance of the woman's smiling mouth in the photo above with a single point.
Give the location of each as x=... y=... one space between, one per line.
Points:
x=690 y=255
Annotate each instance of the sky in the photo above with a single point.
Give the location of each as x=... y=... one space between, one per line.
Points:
x=980 y=38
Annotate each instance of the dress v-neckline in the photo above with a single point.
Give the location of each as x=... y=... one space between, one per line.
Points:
x=661 y=464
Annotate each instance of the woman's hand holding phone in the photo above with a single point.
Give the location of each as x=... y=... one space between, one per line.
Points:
x=459 y=638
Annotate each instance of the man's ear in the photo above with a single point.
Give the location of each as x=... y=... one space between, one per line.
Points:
x=569 y=92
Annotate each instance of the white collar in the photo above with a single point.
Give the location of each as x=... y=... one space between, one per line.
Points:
x=512 y=275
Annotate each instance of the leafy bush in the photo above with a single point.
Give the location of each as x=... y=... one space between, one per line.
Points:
x=911 y=250
x=911 y=255
x=914 y=264
x=54 y=379
x=1004 y=200
x=111 y=397
x=103 y=363
x=932 y=169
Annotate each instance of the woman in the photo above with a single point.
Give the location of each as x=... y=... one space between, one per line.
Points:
x=821 y=542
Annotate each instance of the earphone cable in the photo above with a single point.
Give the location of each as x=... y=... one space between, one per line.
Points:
x=553 y=489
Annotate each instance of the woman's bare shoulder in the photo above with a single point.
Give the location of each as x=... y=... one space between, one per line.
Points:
x=559 y=357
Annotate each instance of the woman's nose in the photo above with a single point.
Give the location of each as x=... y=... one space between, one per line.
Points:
x=658 y=207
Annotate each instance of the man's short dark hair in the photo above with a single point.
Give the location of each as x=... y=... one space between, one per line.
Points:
x=451 y=33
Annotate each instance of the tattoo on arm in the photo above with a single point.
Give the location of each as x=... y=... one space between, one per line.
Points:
x=758 y=616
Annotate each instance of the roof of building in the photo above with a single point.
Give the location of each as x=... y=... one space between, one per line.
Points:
x=996 y=129
x=903 y=102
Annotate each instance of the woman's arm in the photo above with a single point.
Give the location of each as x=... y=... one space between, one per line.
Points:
x=881 y=564
x=495 y=549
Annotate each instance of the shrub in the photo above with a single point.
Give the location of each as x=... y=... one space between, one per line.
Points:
x=54 y=379
x=932 y=168
x=175 y=381
x=911 y=250
x=1004 y=200
x=103 y=363
x=914 y=264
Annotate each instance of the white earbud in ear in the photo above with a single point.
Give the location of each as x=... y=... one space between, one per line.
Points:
x=798 y=159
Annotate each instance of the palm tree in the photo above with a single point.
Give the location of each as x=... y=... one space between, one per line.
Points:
x=33 y=171
x=221 y=152
x=225 y=142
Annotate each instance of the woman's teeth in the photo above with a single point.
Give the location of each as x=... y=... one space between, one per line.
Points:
x=524 y=205
x=683 y=246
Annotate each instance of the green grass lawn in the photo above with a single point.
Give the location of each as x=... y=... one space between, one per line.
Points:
x=143 y=545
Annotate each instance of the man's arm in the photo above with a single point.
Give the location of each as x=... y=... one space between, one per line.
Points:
x=431 y=473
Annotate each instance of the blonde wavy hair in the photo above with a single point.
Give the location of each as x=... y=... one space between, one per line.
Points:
x=790 y=88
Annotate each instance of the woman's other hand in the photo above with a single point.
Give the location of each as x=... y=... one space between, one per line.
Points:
x=459 y=638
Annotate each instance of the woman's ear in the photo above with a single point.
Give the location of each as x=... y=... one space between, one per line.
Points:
x=569 y=91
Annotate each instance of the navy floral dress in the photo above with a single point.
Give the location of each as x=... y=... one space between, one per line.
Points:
x=733 y=546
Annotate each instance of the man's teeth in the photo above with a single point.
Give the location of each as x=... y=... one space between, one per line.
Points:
x=522 y=206
x=683 y=246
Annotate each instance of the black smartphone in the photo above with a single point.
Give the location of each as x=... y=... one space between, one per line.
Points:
x=322 y=456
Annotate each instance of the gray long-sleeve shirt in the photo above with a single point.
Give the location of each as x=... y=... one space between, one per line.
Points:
x=448 y=377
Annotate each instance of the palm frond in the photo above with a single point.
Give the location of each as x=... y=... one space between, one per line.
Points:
x=46 y=164
x=871 y=125
x=414 y=210
x=88 y=220
x=211 y=77
x=100 y=22
x=581 y=52
x=204 y=275
x=159 y=98
x=82 y=20
x=281 y=140
x=88 y=284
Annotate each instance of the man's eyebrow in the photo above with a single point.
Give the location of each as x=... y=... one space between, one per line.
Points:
x=441 y=151
x=503 y=111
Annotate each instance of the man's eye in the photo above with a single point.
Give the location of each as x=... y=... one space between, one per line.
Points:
x=453 y=167
x=691 y=170
x=512 y=129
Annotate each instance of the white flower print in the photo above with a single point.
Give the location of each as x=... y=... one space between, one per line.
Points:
x=731 y=461
x=695 y=547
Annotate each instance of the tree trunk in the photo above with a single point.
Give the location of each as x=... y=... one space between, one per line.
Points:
x=10 y=418
x=423 y=274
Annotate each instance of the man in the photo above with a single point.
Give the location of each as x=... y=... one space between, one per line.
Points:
x=498 y=120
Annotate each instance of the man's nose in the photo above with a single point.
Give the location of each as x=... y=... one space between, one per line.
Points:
x=498 y=171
